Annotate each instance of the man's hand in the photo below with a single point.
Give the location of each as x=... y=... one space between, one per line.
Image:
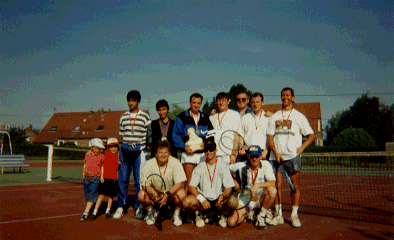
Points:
x=102 y=180
x=118 y=163
x=233 y=158
x=264 y=154
x=279 y=158
x=164 y=198
x=254 y=189
x=188 y=150
x=268 y=114
x=299 y=150
x=242 y=151
x=219 y=203
x=206 y=205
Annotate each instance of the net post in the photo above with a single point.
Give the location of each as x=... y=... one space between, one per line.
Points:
x=50 y=160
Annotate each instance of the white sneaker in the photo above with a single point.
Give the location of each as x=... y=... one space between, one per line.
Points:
x=150 y=216
x=119 y=213
x=250 y=217
x=139 y=213
x=295 y=221
x=177 y=221
x=199 y=221
x=276 y=220
x=268 y=217
x=260 y=224
x=223 y=221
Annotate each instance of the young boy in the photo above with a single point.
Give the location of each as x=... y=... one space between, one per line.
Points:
x=92 y=174
x=110 y=174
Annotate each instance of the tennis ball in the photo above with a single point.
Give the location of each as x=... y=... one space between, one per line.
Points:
x=232 y=202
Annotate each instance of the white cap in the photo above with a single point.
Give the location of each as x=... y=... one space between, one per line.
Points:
x=96 y=142
x=112 y=141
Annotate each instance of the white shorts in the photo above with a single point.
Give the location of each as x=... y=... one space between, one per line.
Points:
x=256 y=204
x=194 y=158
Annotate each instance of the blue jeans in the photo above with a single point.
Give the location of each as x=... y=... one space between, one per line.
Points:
x=129 y=163
x=90 y=188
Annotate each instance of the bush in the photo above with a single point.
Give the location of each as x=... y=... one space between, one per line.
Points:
x=355 y=138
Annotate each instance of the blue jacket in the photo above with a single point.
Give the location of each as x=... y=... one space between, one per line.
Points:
x=183 y=122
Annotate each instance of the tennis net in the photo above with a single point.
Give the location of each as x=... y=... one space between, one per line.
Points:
x=351 y=185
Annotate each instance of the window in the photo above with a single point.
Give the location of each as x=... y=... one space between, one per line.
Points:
x=76 y=129
x=100 y=128
x=53 y=129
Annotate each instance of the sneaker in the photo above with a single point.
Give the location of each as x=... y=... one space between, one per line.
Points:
x=268 y=217
x=119 y=213
x=83 y=218
x=92 y=217
x=295 y=221
x=177 y=221
x=139 y=213
x=223 y=221
x=199 y=221
x=251 y=217
x=276 y=220
x=108 y=216
x=150 y=216
x=260 y=224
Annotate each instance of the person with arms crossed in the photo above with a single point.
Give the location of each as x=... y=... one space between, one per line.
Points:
x=284 y=135
x=225 y=119
x=210 y=184
x=192 y=123
x=170 y=169
x=257 y=175
x=162 y=127
x=133 y=128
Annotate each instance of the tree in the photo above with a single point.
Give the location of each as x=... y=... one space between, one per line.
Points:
x=234 y=90
x=366 y=113
x=355 y=138
x=175 y=111
x=208 y=106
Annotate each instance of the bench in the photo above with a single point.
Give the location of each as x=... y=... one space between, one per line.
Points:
x=12 y=161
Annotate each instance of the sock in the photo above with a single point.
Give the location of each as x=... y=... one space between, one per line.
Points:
x=86 y=213
x=177 y=211
x=295 y=211
x=94 y=212
x=278 y=209
x=263 y=212
x=108 y=210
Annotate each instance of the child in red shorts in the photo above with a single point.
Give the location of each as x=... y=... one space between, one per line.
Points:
x=109 y=187
x=92 y=174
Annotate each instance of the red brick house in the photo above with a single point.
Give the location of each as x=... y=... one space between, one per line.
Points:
x=312 y=112
x=30 y=135
x=80 y=127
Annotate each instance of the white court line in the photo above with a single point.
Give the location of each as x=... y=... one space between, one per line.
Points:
x=34 y=189
x=37 y=219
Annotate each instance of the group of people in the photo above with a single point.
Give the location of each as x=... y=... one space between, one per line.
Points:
x=206 y=174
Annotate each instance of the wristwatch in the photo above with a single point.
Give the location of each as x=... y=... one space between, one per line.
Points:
x=168 y=193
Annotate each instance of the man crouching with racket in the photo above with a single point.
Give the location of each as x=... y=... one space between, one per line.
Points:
x=210 y=184
x=258 y=176
x=161 y=180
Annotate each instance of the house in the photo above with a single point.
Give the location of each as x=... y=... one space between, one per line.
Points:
x=312 y=112
x=30 y=135
x=80 y=127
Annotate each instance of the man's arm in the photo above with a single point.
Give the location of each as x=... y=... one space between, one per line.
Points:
x=271 y=145
x=309 y=141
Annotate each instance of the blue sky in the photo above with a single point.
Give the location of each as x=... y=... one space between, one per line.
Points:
x=78 y=55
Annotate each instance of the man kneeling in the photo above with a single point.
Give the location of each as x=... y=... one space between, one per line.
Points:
x=206 y=186
x=171 y=170
x=257 y=175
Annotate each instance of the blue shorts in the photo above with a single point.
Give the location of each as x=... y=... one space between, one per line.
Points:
x=90 y=188
x=292 y=165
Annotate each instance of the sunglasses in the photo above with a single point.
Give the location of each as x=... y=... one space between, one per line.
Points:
x=209 y=147
x=241 y=99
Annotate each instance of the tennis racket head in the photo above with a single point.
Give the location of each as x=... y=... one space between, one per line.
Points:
x=240 y=198
x=231 y=141
x=155 y=186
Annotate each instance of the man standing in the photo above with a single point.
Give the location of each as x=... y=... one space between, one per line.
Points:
x=210 y=184
x=225 y=119
x=162 y=127
x=284 y=134
x=254 y=125
x=132 y=155
x=198 y=123
x=170 y=169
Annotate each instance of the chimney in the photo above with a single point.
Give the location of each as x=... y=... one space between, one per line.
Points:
x=91 y=113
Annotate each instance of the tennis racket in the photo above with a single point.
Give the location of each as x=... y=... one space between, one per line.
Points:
x=239 y=199
x=291 y=185
x=232 y=141
x=155 y=187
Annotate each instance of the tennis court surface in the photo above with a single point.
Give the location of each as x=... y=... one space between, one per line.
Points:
x=336 y=204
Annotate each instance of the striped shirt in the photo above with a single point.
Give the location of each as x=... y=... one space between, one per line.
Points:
x=137 y=134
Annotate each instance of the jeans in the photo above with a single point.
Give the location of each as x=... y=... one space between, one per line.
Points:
x=129 y=163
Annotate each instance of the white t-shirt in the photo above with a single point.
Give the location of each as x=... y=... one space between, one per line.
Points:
x=172 y=175
x=249 y=132
x=201 y=179
x=287 y=130
x=229 y=120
